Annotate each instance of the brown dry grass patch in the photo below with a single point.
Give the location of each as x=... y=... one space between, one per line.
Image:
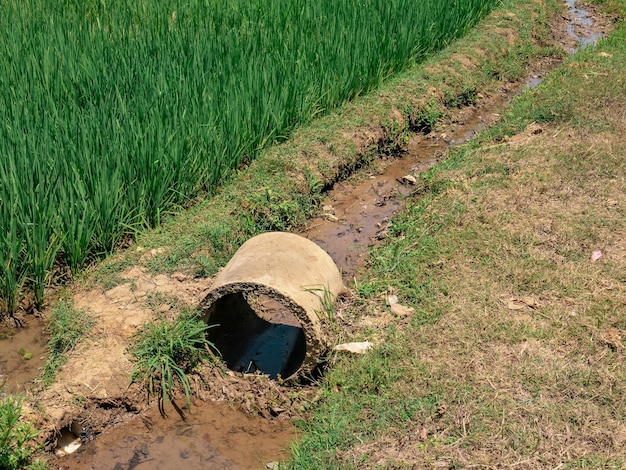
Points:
x=528 y=360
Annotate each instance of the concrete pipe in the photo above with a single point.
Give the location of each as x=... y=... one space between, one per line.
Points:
x=267 y=303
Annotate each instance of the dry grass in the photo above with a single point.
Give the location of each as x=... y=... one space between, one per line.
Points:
x=529 y=357
x=527 y=363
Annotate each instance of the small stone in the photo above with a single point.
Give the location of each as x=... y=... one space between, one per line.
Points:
x=355 y=348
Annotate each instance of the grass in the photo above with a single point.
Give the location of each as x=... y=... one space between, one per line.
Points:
x=66 y=328
x=375 y=407
x=17 y=449
x=166 y=351
x=327 y=303
x=515 y=354
x=160 y=103
x=282 y=188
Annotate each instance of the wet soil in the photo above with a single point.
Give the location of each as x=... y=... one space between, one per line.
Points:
x=22 y=354
x=93 y=387
x=356 y=215
x=213 y=436
x=583 y=26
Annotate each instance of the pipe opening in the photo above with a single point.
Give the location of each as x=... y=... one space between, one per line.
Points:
x=256 y=332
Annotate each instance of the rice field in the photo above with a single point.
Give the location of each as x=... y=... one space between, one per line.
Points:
x=114 y=113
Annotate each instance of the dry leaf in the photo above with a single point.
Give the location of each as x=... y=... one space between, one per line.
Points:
x=605 y=54
x=613 y=338
x=401 y=310
x=398 y=309
x=423 y=434
x=355 y=348
x=532 y=303
x=515 y=304
x=379 y=320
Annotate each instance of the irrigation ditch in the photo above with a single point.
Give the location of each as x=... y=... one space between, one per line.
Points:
x=110 y=418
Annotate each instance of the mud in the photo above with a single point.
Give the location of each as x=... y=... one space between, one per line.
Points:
x=213 y=436
x=92 y=393
x=357 y=215
x=93 y=387
x=583 y=27
x=22 y=355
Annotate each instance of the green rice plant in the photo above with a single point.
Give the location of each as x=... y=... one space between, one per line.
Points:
x=12 y=270
x=67 y=326
x=42 y=240
x=166 y=351
x=16 y=436
x=114 y=114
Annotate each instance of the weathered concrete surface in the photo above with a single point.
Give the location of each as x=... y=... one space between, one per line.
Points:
x=286 y=268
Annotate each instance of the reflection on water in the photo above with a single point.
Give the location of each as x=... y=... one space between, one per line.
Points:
x=257 y=333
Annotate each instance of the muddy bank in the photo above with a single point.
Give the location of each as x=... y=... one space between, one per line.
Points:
x=213 y=436
x=356 y=214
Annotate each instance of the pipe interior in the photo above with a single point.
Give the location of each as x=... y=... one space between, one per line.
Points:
x=257 y=333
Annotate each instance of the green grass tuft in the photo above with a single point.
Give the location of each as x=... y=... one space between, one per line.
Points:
x=67 y=327
x=16 y=447
x=166 y=351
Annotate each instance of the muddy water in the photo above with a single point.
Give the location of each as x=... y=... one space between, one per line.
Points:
x=22 y=355
x=357 y=216
x=213 y=436
x=581 y=27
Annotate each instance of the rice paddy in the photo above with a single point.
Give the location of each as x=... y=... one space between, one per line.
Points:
x=113 y=114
